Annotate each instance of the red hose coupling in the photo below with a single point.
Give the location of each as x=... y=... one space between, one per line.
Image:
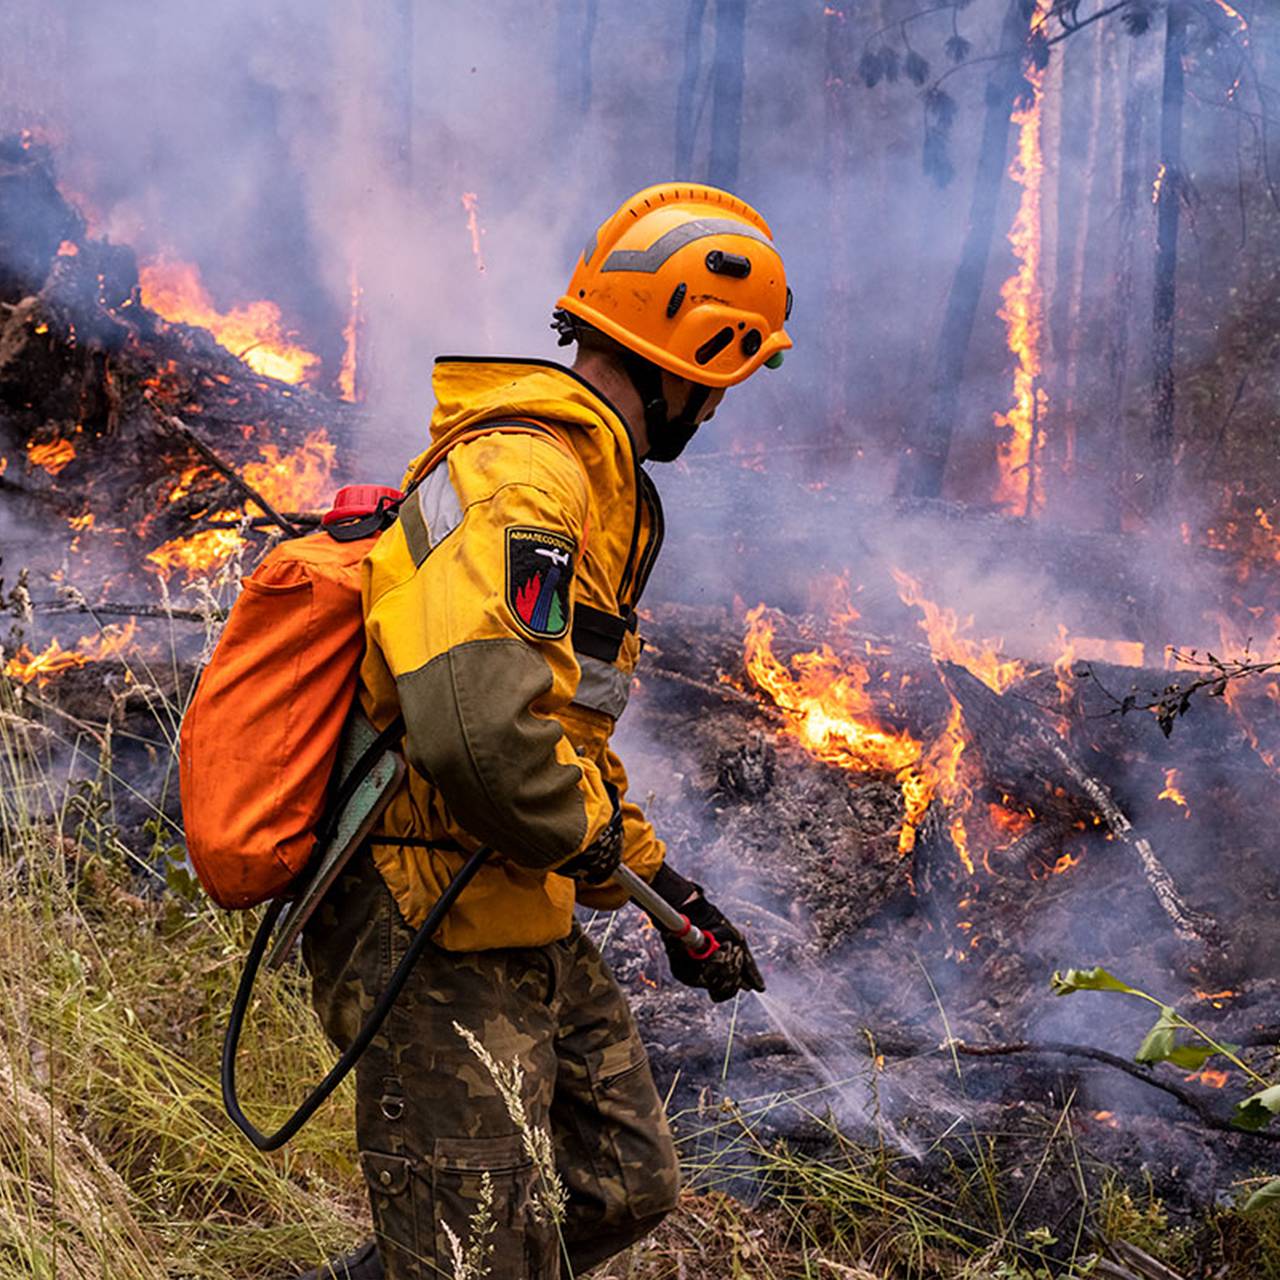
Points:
x=713 y=943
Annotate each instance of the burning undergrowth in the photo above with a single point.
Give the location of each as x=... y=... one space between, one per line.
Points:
x=917 y=826
x=921 y=836
x=137 y=450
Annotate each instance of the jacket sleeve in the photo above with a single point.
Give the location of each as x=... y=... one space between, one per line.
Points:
x=642 y=851
x=499 y=525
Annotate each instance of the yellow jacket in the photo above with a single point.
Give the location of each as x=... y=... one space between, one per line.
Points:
x=500 y=620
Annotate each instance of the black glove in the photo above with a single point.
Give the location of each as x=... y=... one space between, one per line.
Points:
x=599 y=860
x=730 y=967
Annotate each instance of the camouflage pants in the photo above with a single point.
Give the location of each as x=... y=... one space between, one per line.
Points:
x=431 y=1123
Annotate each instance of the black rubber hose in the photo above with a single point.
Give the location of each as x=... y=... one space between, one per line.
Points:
x=341 y=1068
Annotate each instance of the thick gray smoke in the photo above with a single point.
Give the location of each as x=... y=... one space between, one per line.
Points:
x=292 y=147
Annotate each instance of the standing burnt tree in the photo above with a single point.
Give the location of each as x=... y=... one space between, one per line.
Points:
x=1196 y=34
x=1164 y=313
x=924 y=460
x=725 y=90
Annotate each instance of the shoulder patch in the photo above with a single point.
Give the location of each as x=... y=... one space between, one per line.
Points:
x=539 y=574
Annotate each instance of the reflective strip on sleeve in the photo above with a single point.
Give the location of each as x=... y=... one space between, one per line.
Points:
x=602 y=687
x=432 y=516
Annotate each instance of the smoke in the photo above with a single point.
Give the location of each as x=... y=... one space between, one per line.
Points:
x=296 y=149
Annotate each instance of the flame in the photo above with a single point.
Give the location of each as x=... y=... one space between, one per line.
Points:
x=1234 y=641
x=52 y=456
x=1172 y=792
x=81 y=522
x=1210 y=1077
x=351 y=341
x=830 y=713
x=253 y=332
x=1108 y=1118
x=299 y=480
x=471 y=203
x=185 y=482
x=1242 y=27
x=944 y=774
x=203 y=552
x=946 y=642
x=1011 y=823
x=289 y=481
x=26 y=666
x=1216 y=998
x=1064 y=668
x=68 y=249
x=1018 y=489
x=1064 y=864
x=1158 y=185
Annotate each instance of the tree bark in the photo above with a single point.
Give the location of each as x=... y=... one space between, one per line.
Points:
x=1071 y=418
x=398 y=34
x=1164 y=324
x=837 y=139
x=726 y=94
x=1123 y=293
x=924 y=460
x=574 y=81
x=687 y=94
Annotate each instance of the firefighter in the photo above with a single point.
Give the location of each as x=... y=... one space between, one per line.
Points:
x=501 y=622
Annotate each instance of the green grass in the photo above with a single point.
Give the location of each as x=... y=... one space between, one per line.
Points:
x=117 y=1161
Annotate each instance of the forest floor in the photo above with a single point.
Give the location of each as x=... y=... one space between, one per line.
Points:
x=116 y=1159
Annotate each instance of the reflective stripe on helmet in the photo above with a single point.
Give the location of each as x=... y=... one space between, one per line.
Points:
x=651 y=259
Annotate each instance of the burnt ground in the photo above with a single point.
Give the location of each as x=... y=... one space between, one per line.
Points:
x=876 y=961
x=869 y=960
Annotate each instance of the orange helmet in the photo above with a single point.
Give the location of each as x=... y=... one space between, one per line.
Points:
x=687 y=277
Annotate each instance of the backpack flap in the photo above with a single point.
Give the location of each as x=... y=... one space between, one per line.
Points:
x=367 y=774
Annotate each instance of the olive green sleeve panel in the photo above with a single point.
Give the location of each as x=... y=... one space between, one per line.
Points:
x=499 y=767
x=642 y=851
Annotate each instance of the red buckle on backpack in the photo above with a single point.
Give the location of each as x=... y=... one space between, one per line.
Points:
x=355 y=500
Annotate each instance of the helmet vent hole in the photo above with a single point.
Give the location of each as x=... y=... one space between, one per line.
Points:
x=728 y=264
x=751 y=343
x=790 y=302
x=714 y=346
x=677 y=297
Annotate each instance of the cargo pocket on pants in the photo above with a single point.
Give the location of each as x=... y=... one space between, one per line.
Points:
x=397 y=1214
x=519 y=1241
x=632 y=1132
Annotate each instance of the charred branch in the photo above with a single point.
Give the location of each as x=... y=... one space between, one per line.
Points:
x=172 y=612
x=1206 y=1114
x=175 y=426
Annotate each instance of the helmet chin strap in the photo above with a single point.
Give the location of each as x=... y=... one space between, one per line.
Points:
x=667 y=436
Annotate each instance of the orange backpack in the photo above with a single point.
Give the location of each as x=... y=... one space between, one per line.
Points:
x=260 y=737
x=262 y=733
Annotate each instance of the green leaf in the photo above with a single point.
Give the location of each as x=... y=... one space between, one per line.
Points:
x=1064 y=984
x=1161 y=1041
x=1256 y=1111
x=1263 y=1197
x=1194 y=1056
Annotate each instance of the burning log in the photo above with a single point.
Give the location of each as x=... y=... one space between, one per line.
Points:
x=179 y=428
x=1016 y=736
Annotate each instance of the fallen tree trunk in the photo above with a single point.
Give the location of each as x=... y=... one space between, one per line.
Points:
x=1008 y=730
